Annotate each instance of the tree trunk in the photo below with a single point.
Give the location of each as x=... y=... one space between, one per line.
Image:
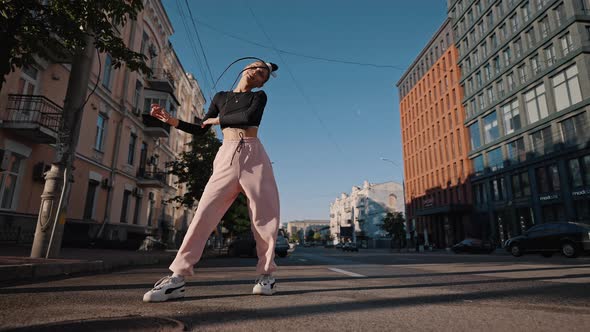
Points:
x=49 y=232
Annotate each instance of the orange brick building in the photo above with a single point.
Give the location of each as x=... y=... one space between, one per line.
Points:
x=435 y=145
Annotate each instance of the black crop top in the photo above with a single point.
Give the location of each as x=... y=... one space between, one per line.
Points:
x=234 y=109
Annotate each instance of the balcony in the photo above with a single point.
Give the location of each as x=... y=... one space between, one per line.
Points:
x=155 y=127
x=34 y=118
x=161 y=80
x=149 y=178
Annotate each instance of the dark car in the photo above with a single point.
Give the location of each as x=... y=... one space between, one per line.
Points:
x=338 y=245
x=571 y=239
x=474 y=246
x=245 y=245
x=350 y=246
x=282 y=246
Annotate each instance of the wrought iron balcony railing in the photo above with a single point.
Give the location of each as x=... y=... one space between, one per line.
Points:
x=33 y=109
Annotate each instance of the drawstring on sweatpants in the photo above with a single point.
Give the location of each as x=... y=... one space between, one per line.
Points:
x=238 y=148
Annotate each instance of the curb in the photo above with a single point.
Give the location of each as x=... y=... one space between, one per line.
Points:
x=35 y=271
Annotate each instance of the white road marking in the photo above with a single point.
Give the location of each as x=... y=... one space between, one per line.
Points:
x=348 y=273
x=303 y=260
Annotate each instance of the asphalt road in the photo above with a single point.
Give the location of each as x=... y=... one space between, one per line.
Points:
x=329 y=290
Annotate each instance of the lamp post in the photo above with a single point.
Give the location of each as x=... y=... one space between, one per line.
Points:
x=403 y=195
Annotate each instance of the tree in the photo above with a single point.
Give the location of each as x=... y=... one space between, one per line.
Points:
x=57 y=29
x=294 y=238
x=317 y=237
x=394 y=225
x=194 y=168
x=60 y=29
x=310 y=235
x=237 y=219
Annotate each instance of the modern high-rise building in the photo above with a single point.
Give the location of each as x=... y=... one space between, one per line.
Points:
x=525 y=68
x=435 y=145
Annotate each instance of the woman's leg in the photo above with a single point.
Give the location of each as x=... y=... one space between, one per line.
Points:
x=221 y=190
x=258 y=183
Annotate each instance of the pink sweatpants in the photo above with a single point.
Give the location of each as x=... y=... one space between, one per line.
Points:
x=239 y=166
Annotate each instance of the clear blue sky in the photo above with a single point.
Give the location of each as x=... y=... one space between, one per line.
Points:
x=326 y=129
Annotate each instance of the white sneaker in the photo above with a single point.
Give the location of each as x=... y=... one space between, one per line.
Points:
x=265 y=285
x=165 y=289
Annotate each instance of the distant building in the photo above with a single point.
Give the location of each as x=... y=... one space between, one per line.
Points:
x=356 y=216
x=302 y=227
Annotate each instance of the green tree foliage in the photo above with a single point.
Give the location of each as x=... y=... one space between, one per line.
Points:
x=58 y=28
x=294 y=238
x=317 y=237
x=237 y=219
x=394 y=224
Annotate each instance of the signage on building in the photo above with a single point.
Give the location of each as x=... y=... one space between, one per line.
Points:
x=583 y=192
x=549 y=197
x=428 y=202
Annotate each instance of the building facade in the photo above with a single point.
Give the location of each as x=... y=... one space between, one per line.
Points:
x=524 y=68
x=120 y=188
x=435 y=145
x=356 y=217
x=300 y=228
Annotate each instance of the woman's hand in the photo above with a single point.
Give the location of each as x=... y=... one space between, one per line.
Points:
x=212 y=121
x=160 y=113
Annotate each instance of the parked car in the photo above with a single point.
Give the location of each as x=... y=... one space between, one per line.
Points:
x=475 y=246
x=571 y=239
x=329 y=245
x=282 y=246
x=350 y=246
x=245 y=245
x=338 y=245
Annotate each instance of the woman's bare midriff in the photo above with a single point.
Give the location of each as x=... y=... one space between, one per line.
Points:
x=234 y=133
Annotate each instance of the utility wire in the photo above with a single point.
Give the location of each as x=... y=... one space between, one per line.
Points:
x=348 y=62
x=295 y=81
x=194 y=50
x=199 y=39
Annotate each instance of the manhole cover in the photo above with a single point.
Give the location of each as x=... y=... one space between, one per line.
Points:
x=129 y=323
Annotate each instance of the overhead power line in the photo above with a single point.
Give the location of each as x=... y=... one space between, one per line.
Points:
x=199 y=39
x=314 y=57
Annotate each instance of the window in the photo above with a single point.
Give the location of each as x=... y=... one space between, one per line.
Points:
x=480 y=194
x=535 y=103
x=9 y=179
x=518 y=48
x=131 y=152
x=566 y=44
x=498 y=187
x=510 y=81
x=137 y=96
x=482 y=101
x=544 y=24
x=559 y=15
x=490 y=92
x=495 y=159
x=579 y=171
x=107 y=72
x=548 y=178
x=526 y=11
x=521 y=185
x=566 y=88
x=474 y=135
x=522 y=74
x=515 y=22
x=490 y=18
x=516 y=151
x=550 y=55
x=535 y=65
x=530 y=37
x=89 y=205
x=575 y=129
x=101 y=124
x=494 y=40
x=507 y=56
x=542 y=141
x=500 y=87
x=478 y=164
x=488 y=72
x=27 y=84
x=490 y=127
x=511 y=117
x=497 y=65
x=125 y=207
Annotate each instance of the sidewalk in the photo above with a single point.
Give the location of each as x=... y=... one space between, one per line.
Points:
x=17 y=266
